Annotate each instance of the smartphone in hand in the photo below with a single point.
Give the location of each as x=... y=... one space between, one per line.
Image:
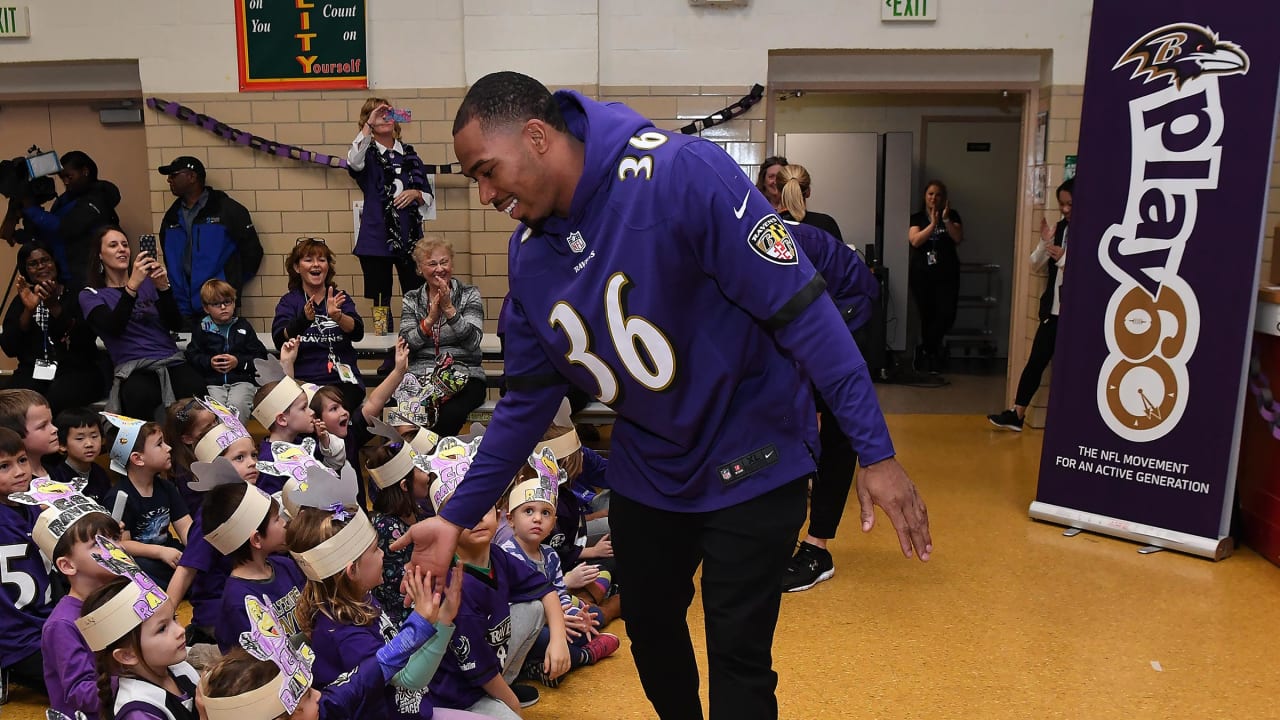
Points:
x=147 y=244
x=400 y=115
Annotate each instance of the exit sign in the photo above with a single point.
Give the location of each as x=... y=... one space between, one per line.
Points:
x=908 y=10
x=14 y=22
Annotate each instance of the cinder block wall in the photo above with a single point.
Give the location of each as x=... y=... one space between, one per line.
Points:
x=289 y=199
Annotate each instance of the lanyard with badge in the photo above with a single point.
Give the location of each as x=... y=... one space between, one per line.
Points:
x=46 y=367
x=345 y=373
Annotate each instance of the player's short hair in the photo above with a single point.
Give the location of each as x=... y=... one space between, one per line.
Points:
x=506 y=97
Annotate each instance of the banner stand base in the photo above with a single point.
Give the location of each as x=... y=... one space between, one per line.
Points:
x=1212 y=548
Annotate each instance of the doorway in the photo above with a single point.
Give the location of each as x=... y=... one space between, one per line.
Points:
x=978 y=159
x=936 y=129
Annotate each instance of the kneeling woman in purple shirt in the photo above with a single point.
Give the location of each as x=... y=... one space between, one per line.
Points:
x=324 y=320
x=130 y=306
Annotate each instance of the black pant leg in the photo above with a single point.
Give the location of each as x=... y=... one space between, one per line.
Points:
x=29 y=672
x=1041 y=353
x=656 y=553
x=454 y=411
x=140 y=395
x=835 y=476
x=745 y=552
x=407 y=269
x=377 y=278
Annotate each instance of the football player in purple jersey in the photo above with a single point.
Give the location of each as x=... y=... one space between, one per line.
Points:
x=650 y=271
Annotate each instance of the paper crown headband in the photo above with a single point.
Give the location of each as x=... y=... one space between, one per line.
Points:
x=566 y=444
x=136 y=602
x=248 y=515
x=402 y=463
x=65 y=505
x=281 y=396
x=323 y=490
x=543 y=488
x=220 y=436
x=265 y=640
x=125 y=439
x=449 y=463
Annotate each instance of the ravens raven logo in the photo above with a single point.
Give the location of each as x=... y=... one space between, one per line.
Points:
x=1182 y=52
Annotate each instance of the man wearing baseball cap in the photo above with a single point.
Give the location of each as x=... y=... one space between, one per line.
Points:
x=204 y=235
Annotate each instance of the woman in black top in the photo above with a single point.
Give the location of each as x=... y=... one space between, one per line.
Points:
x=55 y=348
x=934 y=272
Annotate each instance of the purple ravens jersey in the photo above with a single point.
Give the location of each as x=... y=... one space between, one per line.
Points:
x=676 y=295
x=24 y=594
x=850 y=283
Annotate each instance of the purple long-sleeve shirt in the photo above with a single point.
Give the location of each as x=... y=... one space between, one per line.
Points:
x=667 y=244
x=69 y=672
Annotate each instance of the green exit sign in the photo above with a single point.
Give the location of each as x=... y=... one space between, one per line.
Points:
x=14 y=21
x=908 y=10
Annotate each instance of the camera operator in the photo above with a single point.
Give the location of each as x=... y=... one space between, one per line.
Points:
x=85 y=205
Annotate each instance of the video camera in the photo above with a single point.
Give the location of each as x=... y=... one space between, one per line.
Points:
x=30 y=176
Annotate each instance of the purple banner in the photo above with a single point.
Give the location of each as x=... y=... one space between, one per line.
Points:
x=1157 y=300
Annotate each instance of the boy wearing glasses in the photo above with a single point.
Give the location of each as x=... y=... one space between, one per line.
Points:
x=224 y=347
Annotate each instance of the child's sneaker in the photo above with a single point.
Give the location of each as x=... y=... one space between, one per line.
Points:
x=532 y=670
x=526 y=694
x=1008 y=420
x=601 y=647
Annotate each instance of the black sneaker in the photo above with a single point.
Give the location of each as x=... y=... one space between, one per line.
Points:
x=526 y=694
x=1008 y=420
x=810 y=566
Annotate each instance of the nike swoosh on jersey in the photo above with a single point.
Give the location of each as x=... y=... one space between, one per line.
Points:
x=742 y=209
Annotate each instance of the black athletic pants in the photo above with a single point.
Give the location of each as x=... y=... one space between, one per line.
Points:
x=743 y=551
x=1041 y=353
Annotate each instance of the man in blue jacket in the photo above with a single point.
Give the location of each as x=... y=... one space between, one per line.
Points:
x=648 y=270
x=204 y=235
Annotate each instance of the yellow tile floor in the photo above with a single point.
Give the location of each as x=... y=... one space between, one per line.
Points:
x=1009 y=620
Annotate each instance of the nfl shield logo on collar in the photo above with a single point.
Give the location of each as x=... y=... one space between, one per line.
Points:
x=576 y=242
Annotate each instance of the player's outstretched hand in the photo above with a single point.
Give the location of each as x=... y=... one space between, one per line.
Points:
x=886 y=484
x=434 y=541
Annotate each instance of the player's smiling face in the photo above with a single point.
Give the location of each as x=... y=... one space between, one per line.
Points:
x=507 y=165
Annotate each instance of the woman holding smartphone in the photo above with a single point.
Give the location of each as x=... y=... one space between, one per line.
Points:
x=130 y=305
x=56 y=350
x=395 y=186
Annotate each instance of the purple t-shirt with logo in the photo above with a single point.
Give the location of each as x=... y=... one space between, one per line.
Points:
x=145 y=337
x=674 y=293
x=478 y=650
x=284 y=588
